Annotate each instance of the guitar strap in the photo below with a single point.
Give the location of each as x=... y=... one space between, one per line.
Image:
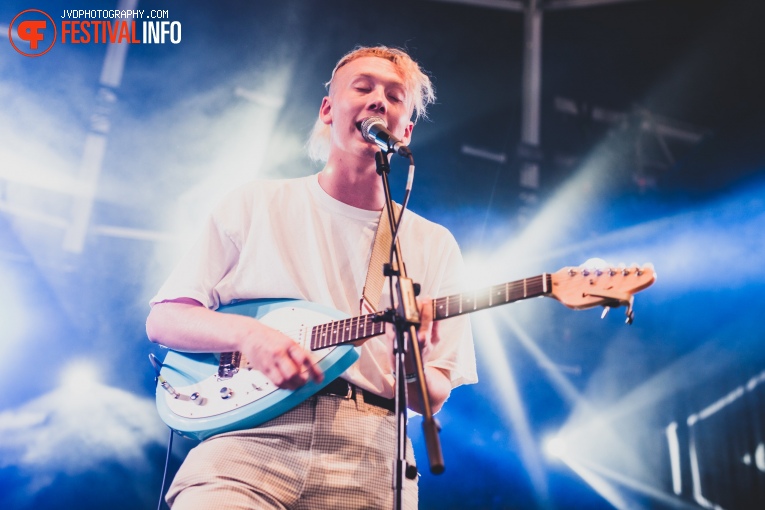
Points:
x=373 y=285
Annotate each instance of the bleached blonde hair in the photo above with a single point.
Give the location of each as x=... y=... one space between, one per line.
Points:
x=419 y=91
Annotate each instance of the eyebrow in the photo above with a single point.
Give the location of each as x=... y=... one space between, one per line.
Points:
x=368 y=76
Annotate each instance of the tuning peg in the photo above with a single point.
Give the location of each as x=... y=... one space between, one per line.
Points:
x=630 y=313
x=606 y=309
x=595 y=263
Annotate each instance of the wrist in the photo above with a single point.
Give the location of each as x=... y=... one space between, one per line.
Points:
x=408 y=377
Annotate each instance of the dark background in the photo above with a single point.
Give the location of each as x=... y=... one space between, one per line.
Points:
x=624 y=86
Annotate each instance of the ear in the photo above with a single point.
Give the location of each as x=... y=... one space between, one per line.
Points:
x=408 y=133
x=325 y=110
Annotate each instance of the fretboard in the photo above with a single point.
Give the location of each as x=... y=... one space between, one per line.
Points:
x=495 y=295
x=346 y=330
x=366 y=326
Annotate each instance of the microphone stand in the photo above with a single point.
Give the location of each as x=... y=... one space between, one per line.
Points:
x=406 y=318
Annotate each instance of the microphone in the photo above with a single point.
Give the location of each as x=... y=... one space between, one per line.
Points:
x=374 y=130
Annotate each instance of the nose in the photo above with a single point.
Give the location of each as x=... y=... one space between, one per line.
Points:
x=376 y=102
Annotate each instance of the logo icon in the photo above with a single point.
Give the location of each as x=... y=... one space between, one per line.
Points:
x=32 y=33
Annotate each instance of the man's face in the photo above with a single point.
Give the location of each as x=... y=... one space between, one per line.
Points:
x=365 y=87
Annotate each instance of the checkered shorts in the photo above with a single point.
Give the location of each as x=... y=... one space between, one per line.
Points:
x=328 y=453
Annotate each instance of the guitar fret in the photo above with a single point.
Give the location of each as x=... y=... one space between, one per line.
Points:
x=536 y=287
x=496 y=291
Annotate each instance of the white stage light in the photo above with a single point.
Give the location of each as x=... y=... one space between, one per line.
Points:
x=80 y=375
x=554 y=447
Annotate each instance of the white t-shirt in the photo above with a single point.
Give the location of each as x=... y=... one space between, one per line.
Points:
x=290 y=239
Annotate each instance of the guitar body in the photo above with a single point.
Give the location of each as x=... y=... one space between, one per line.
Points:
x=203 y=404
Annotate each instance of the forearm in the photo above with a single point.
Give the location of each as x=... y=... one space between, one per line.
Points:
x=186 y=325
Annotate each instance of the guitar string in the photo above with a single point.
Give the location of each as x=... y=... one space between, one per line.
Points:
x=532 y=284
x=335 y=328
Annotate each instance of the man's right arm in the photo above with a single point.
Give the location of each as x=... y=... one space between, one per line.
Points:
x=184 y=324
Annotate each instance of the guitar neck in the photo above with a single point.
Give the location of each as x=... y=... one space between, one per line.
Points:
x=366 y=326
x=496 y=295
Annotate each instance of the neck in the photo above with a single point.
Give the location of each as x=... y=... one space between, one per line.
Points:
x=355 y=184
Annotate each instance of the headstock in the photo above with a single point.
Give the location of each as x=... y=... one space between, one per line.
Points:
x=595 y=283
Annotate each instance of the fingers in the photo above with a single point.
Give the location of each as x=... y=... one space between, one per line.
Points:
x=304 y=362
x=427 y=332
x=291 y=367
x=426 y=322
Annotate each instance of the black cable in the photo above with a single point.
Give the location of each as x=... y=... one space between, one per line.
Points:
x=157 y=365
x=167 y=465
x=404 y=204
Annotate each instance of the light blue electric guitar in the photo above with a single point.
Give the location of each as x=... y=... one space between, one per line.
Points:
x=200 y=395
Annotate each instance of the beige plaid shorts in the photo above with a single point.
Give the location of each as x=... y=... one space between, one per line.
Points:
x=327 y=453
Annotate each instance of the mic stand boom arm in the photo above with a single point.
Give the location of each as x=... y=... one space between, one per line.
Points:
x=406 y=318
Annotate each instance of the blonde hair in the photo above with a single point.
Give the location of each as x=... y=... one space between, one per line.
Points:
x=419 y=91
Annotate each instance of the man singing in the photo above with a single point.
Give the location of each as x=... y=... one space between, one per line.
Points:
x=311 y=238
